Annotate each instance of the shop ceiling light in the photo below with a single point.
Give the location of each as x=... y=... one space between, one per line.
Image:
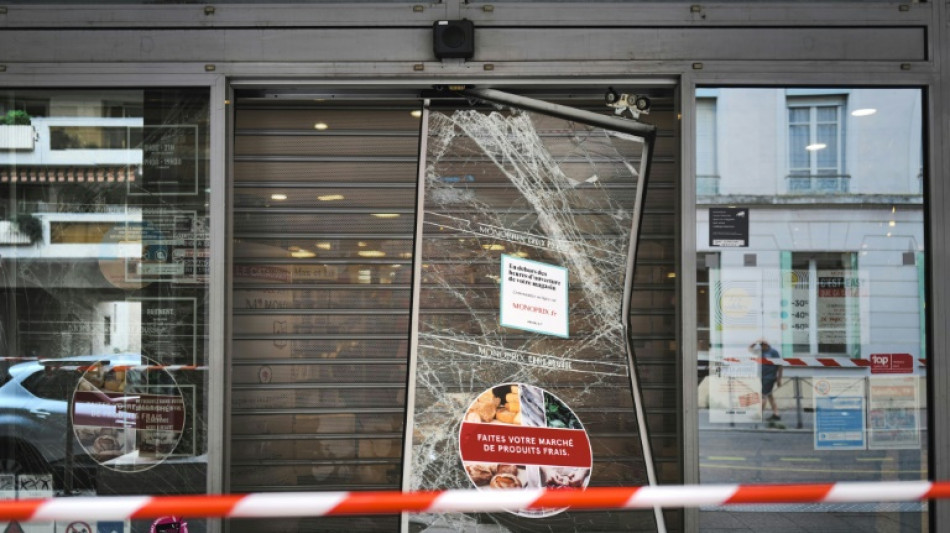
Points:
x=371 y=253
x=278 y=196
x=385 y=215
x=493 y=247
x=816 y=146
x=324 y=246
x=330 y=197
x=320 y=126
x=863 y=112
x=303 y=254
x=417 y=113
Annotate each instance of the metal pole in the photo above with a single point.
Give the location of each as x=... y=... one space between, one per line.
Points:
x=798 y=401
x=68 y=463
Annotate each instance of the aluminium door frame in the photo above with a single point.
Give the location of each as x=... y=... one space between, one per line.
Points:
x=632 y=127
x=936 y=143
x=483 y=90
x=217 y=87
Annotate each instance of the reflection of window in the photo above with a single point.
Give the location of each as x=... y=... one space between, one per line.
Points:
x=706 y=263
x=51 y=384
x=707 y=174
x=816 y=145
x=107 y=326
x=824 y=311
x=79 y=232
x=94 y=137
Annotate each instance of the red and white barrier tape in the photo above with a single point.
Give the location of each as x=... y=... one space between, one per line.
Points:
x=835 y=362
x=126 y=368
x=83 y=368
x=296 y=504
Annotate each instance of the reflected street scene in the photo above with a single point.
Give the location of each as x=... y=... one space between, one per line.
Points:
x=810 y=295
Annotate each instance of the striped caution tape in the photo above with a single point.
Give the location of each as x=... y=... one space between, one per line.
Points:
x=126 y=368
x=55 y=364
x=298 y=504
x=834 y=362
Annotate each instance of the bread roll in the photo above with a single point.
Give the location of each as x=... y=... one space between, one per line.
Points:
x=505 y=481
x=481 y=474
x=507 y=469
x=484 y=410
x=506 y=416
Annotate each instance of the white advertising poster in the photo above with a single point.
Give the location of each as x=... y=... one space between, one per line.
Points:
x=893 y=413
x=737 y=309
x=534 y=296
x=839 y=414
x=735 y=393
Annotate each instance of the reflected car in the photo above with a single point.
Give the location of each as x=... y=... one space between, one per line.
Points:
x=34 y=417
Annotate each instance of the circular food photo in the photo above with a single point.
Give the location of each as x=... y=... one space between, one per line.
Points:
x=128 y=414
x=515 y=436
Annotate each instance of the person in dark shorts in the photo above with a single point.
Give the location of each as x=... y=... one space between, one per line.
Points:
x=771 y=374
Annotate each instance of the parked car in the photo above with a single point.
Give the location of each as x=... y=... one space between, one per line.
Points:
x=34 y=418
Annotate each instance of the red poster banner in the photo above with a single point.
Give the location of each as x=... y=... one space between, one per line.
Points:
x=502 y=443
x=120 y=410
x=892 y=363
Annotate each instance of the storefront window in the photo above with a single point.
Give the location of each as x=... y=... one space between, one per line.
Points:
x=811 y=329
x=104 y=281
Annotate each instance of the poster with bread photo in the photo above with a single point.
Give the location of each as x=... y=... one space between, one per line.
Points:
x=516 y=436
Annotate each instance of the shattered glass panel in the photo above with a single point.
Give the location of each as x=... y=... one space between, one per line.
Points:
x=530 y=190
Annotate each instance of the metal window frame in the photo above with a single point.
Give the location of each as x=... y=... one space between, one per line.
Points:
x=934 y=92
x=482 y=12
x=217 y=90
x=840 y=103
x=648 y=134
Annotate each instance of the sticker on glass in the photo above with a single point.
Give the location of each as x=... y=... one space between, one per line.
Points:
x=128 y=415
x=518 y=436
x=534 y=296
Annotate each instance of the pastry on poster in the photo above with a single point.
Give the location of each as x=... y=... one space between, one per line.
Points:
x=480 y=473
x=498 y=476
x=501 y=404
x=505 y=481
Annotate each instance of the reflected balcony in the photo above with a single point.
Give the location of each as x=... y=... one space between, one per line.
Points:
x=818 y=183
x=707 y=184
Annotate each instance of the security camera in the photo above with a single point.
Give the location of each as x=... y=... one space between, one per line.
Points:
x=636 y=104
x=642 y=103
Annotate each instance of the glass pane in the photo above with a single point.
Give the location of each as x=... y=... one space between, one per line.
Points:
x=104 y=245
x=827 y=135
x=812 y=354
x=538 y=230
x=798 y=115
x=827 y=114
x=798 y=155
